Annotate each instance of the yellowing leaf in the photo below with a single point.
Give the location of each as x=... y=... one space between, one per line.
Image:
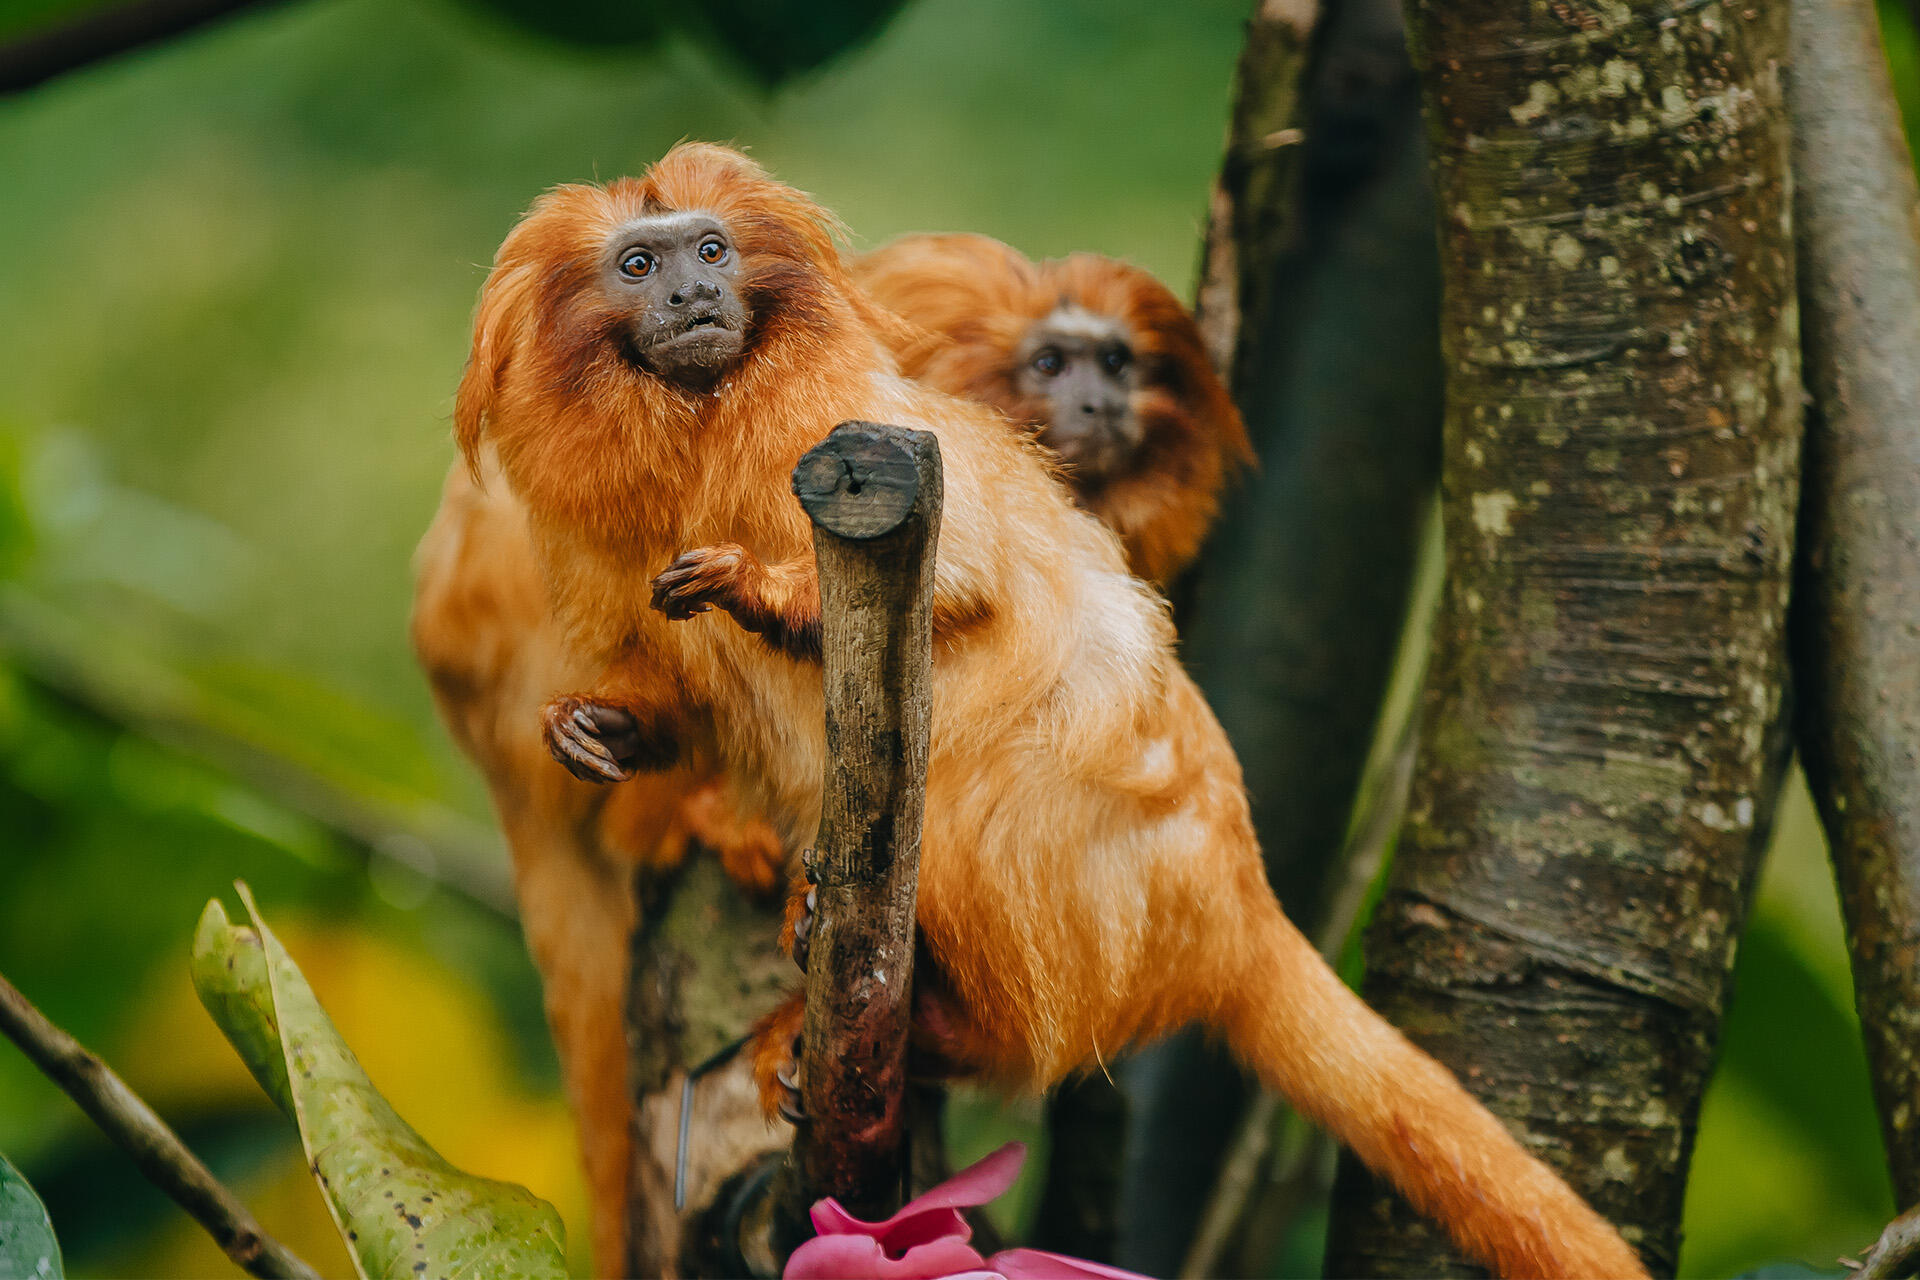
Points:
x=402 y=1209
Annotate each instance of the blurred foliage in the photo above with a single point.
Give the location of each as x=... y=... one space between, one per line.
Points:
x=24 y=17
x=768 y=40
x=236 y=273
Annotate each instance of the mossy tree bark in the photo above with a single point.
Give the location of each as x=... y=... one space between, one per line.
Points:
x=1857 y=601
x=1603 y=740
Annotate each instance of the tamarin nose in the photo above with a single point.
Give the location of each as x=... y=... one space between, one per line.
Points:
x=698 y=291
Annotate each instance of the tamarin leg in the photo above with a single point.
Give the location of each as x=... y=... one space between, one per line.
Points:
x=749 y=851
x=578 y=915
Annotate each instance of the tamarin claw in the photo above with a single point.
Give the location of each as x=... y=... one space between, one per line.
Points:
x=698 y=579
x=803 y=930
x=788 y=1078
x=591 y=738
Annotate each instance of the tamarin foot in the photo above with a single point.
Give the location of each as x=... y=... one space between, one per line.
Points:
x=599 y=742
x=796 y=930
x=749 y=850
x=775 y=1048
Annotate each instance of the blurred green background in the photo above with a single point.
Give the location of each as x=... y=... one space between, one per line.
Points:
x=235 y=277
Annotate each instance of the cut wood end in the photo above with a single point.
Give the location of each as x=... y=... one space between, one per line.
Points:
x=865 y=478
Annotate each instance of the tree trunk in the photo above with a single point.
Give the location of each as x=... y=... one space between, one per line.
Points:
x=1296 y=612
x=704 y=964
x=1603 y=739
x=1857 y=605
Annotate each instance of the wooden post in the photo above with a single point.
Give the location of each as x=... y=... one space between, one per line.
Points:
x=874 y=495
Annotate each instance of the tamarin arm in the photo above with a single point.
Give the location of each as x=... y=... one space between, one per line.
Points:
x=780 y=603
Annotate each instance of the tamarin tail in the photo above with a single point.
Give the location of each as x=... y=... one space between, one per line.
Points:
x=1350 y=1071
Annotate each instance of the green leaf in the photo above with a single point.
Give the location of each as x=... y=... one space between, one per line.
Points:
x=230 y=976
x=401 y=1208
x=28 y=1250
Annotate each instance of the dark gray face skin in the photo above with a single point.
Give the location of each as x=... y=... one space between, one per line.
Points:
x=678 y=275
x=1082 y=366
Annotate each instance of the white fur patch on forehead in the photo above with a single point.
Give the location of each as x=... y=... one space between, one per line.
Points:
x=671 y=222
x=1070 y=320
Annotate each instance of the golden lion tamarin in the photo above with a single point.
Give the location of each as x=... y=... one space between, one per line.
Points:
x=1149 y=460
x=650 y=358
x=1096 y=355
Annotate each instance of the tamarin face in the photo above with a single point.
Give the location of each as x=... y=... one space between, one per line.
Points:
x=1081 y=366
x=674 y=279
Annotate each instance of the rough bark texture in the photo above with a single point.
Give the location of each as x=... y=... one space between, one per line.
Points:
x=874 y=495
x=1857 y=605
x=1293 y=622
x=1254 y=217
x=705 y=963
x=1603 y=743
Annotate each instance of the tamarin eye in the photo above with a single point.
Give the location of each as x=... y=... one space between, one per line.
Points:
x=1047 y=362
x=712 y=251
x=637 y=265
x=1116 y=359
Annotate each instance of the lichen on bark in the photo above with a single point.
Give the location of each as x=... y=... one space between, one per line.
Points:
x=1602 y=724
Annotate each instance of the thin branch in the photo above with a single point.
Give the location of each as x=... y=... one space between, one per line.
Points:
x=1254 y=216
x=102 y=33
x=1896 y=1253
x=1856 y=604
x=135 y=1129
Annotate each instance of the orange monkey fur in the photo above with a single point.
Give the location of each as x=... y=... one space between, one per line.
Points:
x=981 y=298
x=484 y=632
x=1089 y=872
x=485 y=635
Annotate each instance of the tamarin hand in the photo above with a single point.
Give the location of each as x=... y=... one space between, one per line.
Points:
x=600 y=742
x=779 y=603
